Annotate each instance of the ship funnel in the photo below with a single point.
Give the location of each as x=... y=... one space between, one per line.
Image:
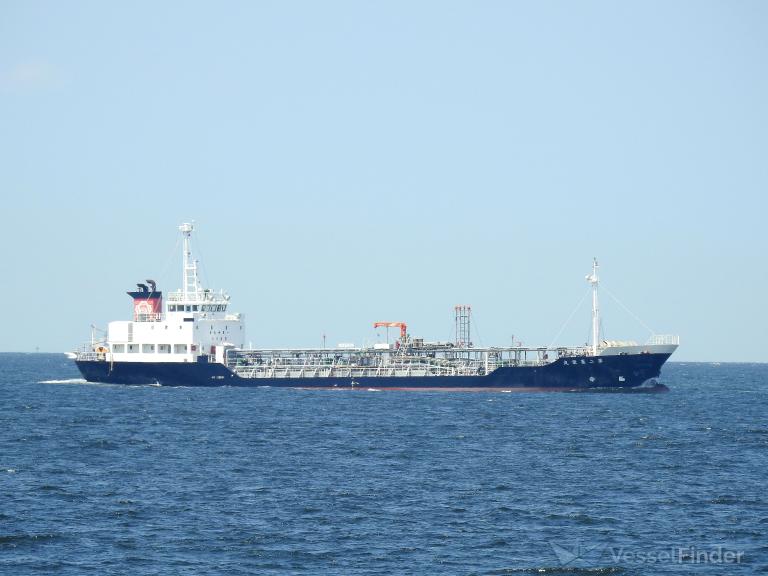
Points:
x=152 y=284
x=147 y=306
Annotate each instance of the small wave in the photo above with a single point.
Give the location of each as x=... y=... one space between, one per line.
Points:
x=14 y=540
x=52 y=488
x=65 y=381
x=559 y=570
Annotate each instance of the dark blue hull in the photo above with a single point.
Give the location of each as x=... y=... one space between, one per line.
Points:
x=612 y=372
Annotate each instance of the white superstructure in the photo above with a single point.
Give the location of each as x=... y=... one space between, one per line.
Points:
x=191 y=322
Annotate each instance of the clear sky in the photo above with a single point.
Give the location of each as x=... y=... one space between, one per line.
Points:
x=349 y=162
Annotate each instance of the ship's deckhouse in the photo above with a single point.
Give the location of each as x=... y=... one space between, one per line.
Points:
x=192 y=325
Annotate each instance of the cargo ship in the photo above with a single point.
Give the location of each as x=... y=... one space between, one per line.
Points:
x=191 y=337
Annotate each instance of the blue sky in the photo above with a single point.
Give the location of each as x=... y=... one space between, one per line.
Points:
x=349 y=162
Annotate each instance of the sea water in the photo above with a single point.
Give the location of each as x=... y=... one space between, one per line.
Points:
x=101 y=479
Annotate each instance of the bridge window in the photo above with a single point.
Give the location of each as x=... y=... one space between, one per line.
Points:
x=164 y=348
x=148 y=348
x=133 y=348
x=180 y=349
x=118 y=348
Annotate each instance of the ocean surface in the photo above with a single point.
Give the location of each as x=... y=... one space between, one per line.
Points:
x=100 y=479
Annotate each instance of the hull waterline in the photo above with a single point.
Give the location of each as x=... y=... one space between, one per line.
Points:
x=613 y=373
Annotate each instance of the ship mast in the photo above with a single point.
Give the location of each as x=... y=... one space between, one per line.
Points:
x=594 y=281
x=191 y=284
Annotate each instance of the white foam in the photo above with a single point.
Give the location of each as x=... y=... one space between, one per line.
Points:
x=67 y=381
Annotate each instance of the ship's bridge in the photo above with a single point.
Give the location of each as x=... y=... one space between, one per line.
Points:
x=204 y=301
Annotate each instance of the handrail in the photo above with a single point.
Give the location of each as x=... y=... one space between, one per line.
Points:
x=153 y=317
x=219 y=297
x=664 y=339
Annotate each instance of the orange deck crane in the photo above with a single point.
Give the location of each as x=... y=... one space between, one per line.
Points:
x=401 y=325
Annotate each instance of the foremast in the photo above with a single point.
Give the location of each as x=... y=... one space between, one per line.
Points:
x=594 y=281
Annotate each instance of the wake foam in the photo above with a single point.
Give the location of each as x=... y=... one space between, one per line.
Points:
x=66 y=381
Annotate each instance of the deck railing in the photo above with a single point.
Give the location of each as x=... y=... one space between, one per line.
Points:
x=153 y=317
x=378 y=363
x=664 y=339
